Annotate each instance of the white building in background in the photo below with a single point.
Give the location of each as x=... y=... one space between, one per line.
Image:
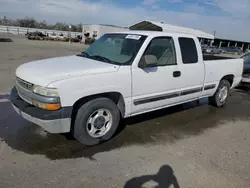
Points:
x=204 y=37
x=95 y=31
x=158 y=26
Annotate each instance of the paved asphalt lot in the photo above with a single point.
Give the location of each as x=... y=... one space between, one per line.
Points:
x=188 y=146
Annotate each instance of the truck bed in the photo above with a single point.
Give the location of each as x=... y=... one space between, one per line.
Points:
x=212 y=57
x=217 y=67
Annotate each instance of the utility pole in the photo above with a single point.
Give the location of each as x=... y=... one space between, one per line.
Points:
x=70 y=34
x=214 y=33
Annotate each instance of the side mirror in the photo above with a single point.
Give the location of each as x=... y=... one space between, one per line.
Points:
x=148 y=61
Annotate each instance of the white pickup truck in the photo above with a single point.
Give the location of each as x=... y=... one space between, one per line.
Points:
x=120 y=75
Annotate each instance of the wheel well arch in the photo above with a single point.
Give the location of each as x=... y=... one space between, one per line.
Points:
x=116 y=97
x=229 y=77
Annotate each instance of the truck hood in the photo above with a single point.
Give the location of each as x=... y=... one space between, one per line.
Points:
x=44 y=72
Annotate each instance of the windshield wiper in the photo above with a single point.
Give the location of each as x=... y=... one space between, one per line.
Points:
x=98 y=57
x=83 y=54
x=107 y=60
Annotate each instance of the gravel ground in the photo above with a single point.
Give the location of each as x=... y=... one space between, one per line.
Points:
x=22 y=50
x=190 y=145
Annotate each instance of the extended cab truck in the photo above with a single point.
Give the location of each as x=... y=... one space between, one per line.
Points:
x=120 y=75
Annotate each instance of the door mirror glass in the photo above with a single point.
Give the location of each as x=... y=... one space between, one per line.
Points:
x=148 y=61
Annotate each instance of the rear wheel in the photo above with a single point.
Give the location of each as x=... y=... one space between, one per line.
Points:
x=96 y=121
x=219 y=99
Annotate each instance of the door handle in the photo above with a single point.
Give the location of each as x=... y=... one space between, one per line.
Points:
x=176 y=73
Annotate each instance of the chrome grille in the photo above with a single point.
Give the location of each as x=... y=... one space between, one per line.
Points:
x=24 y=84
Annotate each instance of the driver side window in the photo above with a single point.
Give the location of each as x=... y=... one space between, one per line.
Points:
x=163 y=49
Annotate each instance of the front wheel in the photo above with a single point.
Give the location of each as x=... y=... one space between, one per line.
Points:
x=219 y=99
x=96 y=121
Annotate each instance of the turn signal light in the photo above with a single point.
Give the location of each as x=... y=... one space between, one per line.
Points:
x=53 y=106
x=46 y=106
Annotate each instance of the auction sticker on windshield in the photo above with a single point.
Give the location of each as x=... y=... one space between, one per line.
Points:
x=134 y=37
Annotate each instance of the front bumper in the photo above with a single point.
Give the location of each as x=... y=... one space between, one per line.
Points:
x=58 y=121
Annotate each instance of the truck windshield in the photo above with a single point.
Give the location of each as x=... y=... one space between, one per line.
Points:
x=119 y=49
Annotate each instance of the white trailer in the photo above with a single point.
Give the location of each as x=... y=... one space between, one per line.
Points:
x=96 y=31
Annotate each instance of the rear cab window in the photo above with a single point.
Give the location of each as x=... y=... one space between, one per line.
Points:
x=246 y=58
x=188 y=50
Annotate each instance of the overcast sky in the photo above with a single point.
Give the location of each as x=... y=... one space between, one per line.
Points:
x=230 y=18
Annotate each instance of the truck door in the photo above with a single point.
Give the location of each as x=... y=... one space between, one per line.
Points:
x=192 y=69
x=158 y=86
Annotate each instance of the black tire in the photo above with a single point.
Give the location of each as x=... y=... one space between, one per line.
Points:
x=80 y=130
x=214 y=100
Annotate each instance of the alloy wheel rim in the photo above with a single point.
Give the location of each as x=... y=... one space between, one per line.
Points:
x=223 y=93
x=99 y=123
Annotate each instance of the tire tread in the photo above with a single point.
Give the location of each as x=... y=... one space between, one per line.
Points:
x=79 y=129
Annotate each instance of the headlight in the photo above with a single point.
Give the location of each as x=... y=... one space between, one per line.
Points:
x=48 y=92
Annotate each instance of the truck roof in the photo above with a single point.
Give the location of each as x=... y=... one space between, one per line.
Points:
x=154 y=33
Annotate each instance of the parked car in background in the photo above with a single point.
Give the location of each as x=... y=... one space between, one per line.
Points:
x=206 y=49
x=61 y=36
x=211 y=50
x=223 y=50
x=246 y=69
x=215 y=50
x=235 y=50
x=36 y=36
x=53 y=36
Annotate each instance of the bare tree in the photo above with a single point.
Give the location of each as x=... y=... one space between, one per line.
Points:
x=32 y=23
x=42 y=25
x=28 y=22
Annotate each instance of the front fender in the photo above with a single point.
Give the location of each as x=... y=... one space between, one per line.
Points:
x=73 y=89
